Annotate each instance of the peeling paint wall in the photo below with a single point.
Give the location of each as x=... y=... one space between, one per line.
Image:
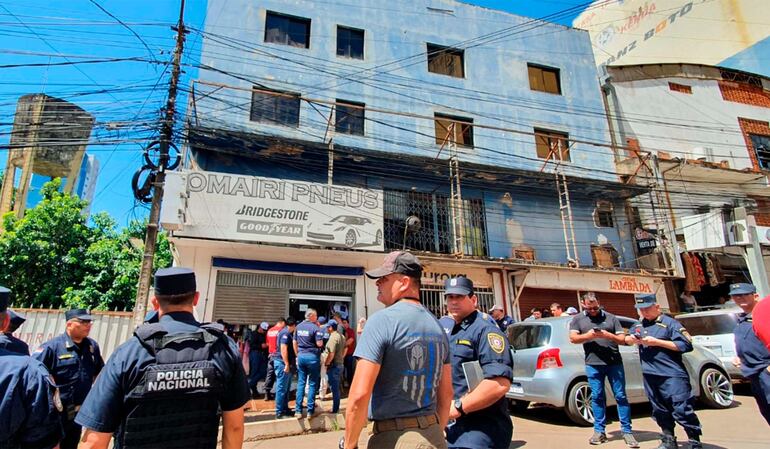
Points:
x=496 y=73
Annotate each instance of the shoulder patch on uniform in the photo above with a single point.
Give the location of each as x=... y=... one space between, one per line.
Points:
x=496 y=342
x=686 y=334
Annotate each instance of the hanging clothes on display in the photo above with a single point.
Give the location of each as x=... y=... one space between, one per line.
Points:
x=700 y=275
x=690 y=274
x=718 y=272
x=710 y=271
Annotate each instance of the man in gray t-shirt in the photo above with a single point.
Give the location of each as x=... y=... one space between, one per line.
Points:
x=403 y=364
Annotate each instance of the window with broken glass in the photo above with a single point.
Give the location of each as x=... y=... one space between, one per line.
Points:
x=436 y=231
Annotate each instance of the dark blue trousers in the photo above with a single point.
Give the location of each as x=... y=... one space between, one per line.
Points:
x=760 y=387
x=671 y=400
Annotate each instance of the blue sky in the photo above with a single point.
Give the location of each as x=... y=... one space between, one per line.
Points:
x=45 y=36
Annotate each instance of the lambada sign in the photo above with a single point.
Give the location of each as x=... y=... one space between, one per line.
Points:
x=235 y=207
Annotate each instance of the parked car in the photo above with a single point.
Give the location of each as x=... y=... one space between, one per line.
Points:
x=548 y=369
x=346 y=230
x=713 y=329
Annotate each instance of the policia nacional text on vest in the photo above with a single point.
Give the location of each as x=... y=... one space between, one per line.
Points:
x=175 y=403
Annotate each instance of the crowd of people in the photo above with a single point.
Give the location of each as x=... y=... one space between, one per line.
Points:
x=423 y=382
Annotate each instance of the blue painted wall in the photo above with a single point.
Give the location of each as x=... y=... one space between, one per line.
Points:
x=494 y=92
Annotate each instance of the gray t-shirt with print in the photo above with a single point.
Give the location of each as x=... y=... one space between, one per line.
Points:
x=411 y=348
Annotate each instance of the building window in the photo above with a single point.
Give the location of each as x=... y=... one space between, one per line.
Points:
x=287 y=30
x=552 y=145
x=436 y=233
x=682 y=88
x=446 y=61
x=275 y=107
x=603 y=215
x=454 y=129
x=349 y=118
x=350 y=42
x=544 y=79
x=761 y=145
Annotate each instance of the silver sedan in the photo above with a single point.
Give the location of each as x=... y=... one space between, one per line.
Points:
x=548 y=369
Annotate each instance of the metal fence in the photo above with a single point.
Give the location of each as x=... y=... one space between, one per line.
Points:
x=432 y=297
x=436 y=232
x=110 y=329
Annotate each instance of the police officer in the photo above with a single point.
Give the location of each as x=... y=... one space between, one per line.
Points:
x=308 y=344
x=8 y=341
x=74 y=361
x=28 y=398
x=501 y=319
x=662 y=340
x=165 y=387
x=752 y=353
x=479 y=412
x=282 y=365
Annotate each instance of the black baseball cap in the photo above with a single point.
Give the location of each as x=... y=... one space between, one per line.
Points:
x=290 y=321
x=80 y=314
x=460 y=285
x=398 y=262
x=17 y=319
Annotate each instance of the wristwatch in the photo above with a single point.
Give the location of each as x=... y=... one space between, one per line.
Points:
x=459 y=406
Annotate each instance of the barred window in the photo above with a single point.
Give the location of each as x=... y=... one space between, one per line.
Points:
x=436 y=232
x=278 y=108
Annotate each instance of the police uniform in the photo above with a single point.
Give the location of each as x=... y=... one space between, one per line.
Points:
x=666 y=380
x=165 y=387
x=74 y=367
x=476 y=339
x=28 y=399
x=8 y=341
x=755 y=358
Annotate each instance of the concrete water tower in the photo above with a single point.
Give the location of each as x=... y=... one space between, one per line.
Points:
x=49 y=138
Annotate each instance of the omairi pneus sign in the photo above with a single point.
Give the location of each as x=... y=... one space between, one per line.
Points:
x=236 y=207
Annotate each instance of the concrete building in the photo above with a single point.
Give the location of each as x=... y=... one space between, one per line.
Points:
x=701 y=135
x=724 y=33
x=321 y=129
x=85 y=188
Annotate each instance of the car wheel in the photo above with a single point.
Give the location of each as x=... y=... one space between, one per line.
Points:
x=517 y=406
x=378 y=238
x=716 y=389
x=350 y=239
x=578 y=407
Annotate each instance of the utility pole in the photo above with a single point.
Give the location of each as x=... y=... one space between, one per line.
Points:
x=166 y=134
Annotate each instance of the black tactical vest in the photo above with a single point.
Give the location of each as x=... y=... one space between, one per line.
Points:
x=176 y=401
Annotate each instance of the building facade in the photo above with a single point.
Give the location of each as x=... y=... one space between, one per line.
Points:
x=701 y=136
x=722 y=33
x=322 y=135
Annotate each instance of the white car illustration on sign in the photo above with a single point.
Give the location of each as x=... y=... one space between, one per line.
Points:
x=346 y=230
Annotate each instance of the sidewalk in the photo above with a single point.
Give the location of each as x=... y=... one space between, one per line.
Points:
x=262 y=425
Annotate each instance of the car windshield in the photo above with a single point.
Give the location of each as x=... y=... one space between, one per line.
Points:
x=710 y=324
x=346 y=219
x=529 y=336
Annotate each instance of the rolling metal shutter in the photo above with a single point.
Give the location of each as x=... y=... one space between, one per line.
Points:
x=615 y=303
x=250 y=298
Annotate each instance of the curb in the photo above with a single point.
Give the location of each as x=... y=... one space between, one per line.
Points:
x=277 y=428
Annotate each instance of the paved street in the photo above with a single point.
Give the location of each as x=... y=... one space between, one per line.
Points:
x=740 y=427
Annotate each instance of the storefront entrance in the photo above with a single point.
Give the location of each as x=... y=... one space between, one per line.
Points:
x=325 y=305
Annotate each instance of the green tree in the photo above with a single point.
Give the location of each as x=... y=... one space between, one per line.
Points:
x=51 y=257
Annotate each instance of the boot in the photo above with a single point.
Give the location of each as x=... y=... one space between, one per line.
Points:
x=667 y=441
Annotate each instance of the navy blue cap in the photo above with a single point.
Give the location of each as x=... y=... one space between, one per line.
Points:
x=642 y=301
x=332 y=324
x=5 y=298
x=81 y=314
x=174 y=281
x=291 y=321
x=17 y=319
x=458 y=286
x=151 y=317
x=322 y=319
x=742 y=289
